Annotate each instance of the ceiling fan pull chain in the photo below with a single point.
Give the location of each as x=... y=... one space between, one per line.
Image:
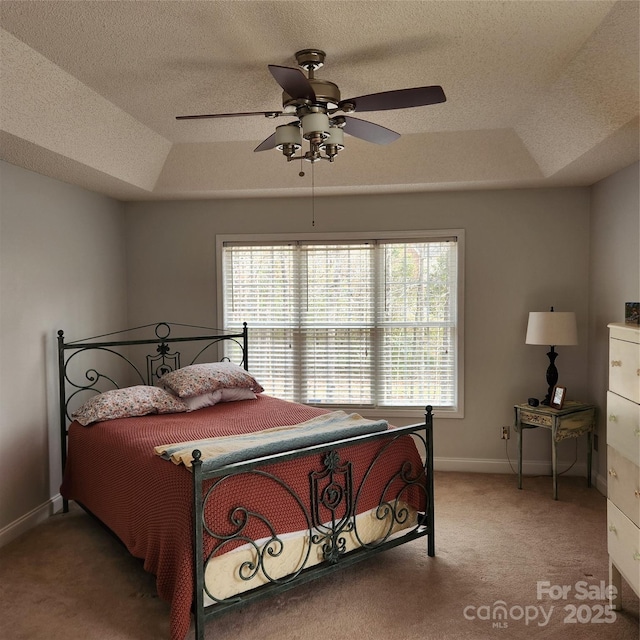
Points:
x=313 y=194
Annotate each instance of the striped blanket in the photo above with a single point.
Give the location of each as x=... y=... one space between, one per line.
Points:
x=220 y=451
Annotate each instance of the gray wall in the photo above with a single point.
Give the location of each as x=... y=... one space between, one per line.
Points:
x=525 y=250
x=614 y=277
x=62 y=266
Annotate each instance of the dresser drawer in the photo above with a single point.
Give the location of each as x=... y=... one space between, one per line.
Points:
x=623 y=542
x=623 y=484
x=623 y=426
x=624 y=368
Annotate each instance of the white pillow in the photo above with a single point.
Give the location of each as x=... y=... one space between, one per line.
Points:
x=205 y=400
x=214 y=397
x=236 y=393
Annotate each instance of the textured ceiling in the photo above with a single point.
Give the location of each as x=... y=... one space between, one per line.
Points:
x=539 y=93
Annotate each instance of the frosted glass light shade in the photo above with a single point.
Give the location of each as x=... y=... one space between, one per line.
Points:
x=288 y=134
x=552 y=328
x=315 y=124
x=336 y=137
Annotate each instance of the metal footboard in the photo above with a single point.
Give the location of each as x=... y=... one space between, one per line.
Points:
x=331 y=490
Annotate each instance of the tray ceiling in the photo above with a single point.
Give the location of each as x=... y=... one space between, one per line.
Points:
x=538 y=93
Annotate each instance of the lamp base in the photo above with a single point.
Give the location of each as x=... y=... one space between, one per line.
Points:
x=552 y=375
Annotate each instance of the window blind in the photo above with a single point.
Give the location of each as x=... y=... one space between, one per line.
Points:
x=362 y=323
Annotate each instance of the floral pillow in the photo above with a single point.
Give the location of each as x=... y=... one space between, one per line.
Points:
x=126 y=403
x=199 y=379
x=214 y=397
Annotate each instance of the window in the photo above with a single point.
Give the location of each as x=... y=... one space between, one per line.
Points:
x=349 y=321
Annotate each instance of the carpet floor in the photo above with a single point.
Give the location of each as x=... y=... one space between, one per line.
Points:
x=545 y=561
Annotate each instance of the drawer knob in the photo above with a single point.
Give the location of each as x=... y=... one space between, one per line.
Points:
x=636 y=556
x=637 y=431
x=636 y=493
x=612 y=527
x=612 y=473
x=616 y=363
x=613 y=418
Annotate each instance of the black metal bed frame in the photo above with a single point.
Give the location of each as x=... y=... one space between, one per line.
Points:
x=331 y=488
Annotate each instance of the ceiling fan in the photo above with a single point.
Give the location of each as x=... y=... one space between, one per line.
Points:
x=322 y=116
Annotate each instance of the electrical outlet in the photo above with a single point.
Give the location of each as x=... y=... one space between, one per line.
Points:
x=505 y=433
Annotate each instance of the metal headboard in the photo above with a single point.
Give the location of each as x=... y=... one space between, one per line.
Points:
x=160 y=361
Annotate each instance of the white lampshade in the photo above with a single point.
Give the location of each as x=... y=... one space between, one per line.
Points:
x=552 y=328
x=315 y=124
x=336 y=138
x=288 y=134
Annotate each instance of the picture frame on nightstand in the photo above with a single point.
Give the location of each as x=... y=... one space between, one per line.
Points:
x=557 y=397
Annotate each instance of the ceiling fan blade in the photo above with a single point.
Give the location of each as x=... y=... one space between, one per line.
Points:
x=269 y=143
x=266 y=114
x=293 y=81
x=398 y=99
x=369 y=131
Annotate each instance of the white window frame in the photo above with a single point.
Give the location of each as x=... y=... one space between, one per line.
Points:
x=458 y=410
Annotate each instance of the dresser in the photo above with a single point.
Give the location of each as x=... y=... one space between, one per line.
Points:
x=623 y=458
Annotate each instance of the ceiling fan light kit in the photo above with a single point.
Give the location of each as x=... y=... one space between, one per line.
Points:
x=315 y=102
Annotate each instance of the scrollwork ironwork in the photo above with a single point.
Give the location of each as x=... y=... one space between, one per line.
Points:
x=336 y=497
x=267 y=547
x=104 y=379
x=93 y=376
x=331 y=516
x=392 y=509
x=163 y=363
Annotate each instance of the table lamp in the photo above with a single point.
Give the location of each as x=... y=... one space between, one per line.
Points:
x=552 y=328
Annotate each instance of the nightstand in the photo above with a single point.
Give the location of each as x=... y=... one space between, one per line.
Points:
x=573 y=420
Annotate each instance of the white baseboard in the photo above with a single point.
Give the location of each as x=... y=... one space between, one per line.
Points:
x=29 y=520
x=601 y=484
x=529 y=467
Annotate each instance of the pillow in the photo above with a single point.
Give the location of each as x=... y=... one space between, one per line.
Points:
x=231 y=395
x=126 y=403
x=199 y=379
x=221 y=395
x=205 y=400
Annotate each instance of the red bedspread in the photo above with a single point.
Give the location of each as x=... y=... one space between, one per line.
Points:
x=112 y=470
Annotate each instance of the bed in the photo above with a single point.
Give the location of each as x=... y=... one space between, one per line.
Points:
x=221 y=532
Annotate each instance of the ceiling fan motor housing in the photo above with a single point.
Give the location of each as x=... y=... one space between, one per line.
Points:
x=327 y=96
